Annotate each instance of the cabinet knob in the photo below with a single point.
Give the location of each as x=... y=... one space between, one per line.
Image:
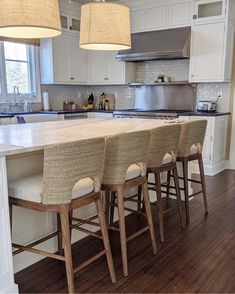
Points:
x=194 y=16
x=192 y=76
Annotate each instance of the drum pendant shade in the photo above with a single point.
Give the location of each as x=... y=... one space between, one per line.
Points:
x=29 y=19
x=105 y=26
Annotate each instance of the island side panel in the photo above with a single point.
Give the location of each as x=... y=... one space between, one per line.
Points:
x=7 y=284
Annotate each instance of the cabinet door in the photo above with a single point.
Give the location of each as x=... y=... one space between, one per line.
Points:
x=157 y=17
x=138 y=20
x=206 y=151
x=179 y=14
x=98 y=67
x=206 y=10
x=115 y=69
x=77 y=61
x=207 y=53
x=61 y=58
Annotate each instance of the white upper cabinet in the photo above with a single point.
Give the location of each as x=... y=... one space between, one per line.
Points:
x=98 y=67
x=70 y=23
x=138 y=19
x=62 y=61
x=179 y=14
x=209 y=10
x=157 y=17
x=160 y=15
x=105 y=69
x=211 y=52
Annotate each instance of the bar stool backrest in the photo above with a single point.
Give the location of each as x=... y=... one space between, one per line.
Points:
x=192 y=133
x=66 y=164
x=121 y=152
x=164 y=139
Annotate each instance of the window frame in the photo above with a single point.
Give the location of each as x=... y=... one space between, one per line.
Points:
x=33 y=71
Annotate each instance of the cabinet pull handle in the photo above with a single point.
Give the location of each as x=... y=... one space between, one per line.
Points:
x=72 y=78
x=106 y=79
x=194 y=16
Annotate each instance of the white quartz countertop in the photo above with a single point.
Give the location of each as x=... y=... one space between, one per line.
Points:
x=15 y=139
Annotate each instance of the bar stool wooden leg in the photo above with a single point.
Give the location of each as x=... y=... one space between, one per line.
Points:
x=64 y=216
x=107 y=206
x=149 y=217
x=139 y=198
x=60 y=246
x=122 y=227
x=104 y=231
x=112 y=202
x=202 y=176
x=186 y=192
x=168 y=184
x=177 y=190
x=159 y=204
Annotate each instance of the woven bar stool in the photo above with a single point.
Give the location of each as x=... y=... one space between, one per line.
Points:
x=125 y=166
x=162 y=158
x=71 y=179
x=190 y=148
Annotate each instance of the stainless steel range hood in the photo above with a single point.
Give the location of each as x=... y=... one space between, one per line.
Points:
x=157 y=45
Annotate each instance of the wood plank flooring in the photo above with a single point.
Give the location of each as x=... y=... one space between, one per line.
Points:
x=199 y=259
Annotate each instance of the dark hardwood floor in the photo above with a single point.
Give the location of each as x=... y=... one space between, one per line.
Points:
x=200 y=258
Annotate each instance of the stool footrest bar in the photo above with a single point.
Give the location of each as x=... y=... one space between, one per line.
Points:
x=41 y=252
x=89 y=261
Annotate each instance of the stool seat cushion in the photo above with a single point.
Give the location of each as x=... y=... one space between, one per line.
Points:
x=194 y=150
x=167 y=159
x=31 y=188
x=133 y=171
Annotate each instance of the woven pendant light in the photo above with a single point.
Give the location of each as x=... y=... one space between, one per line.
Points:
x=105 y=26
x=29 y=18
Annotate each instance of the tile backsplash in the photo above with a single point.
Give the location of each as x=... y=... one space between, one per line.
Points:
x=177 y=70
x=124 y=95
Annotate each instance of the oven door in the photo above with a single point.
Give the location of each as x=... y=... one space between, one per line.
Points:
x=72 y=116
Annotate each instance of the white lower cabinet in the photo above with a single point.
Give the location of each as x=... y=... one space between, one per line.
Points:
x=215 y=143
x=99 y=114
x=6 y=120
x=39 y=117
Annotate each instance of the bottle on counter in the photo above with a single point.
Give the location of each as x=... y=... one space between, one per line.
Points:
x=103 y=101
x=106 y=105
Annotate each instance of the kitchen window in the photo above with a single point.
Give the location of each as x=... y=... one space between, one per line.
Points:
x=19 y=77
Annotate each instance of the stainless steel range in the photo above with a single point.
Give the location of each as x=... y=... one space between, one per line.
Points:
x=161 y=102
x=148 y=114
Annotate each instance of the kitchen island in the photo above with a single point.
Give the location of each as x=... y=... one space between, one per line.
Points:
x=21 y=155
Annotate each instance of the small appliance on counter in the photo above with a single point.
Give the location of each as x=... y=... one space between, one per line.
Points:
x=207 y=106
